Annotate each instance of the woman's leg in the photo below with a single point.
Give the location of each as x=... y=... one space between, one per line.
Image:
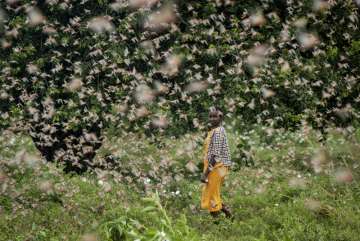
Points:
x=225 y=209
x=211 y=199
x=215 y=214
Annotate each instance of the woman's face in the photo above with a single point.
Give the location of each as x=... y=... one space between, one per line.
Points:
x=214 y=118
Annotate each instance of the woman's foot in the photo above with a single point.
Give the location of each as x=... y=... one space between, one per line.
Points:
x=225 y=209
x=215 y=215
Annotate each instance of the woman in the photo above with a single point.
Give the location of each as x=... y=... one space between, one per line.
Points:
x=216 y=165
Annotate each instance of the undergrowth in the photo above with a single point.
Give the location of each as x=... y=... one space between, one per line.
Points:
x=279 y=197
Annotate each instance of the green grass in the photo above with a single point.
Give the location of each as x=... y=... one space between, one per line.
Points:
x=271 y=200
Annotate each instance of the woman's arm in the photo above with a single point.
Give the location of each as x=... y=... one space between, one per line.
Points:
x=226 y=151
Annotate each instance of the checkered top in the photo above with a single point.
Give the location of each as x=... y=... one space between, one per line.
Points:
x=219 y=147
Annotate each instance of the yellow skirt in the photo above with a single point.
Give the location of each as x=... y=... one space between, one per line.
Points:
x=210 y=198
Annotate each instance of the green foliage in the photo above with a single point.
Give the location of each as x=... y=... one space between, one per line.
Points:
x=71 y=66
x=220 y=29
x=355 y=48
x=333 y=53
x=276 y=199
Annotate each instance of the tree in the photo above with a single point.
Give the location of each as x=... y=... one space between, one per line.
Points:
x=71 y=69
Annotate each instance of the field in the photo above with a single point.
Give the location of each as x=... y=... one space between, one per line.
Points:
x=301 y=189
x=104 y=107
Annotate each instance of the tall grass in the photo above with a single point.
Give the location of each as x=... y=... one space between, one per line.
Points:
x=280 y=196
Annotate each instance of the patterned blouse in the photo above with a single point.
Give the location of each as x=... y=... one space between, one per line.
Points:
x=219 y=147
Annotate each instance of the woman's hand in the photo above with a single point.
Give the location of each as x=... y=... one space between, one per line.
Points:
x=204 y=178
x=212 y=160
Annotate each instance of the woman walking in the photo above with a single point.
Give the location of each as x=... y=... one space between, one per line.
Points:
x=216 y=165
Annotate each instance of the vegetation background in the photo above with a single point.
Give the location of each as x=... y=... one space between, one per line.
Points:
x=103 y=110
